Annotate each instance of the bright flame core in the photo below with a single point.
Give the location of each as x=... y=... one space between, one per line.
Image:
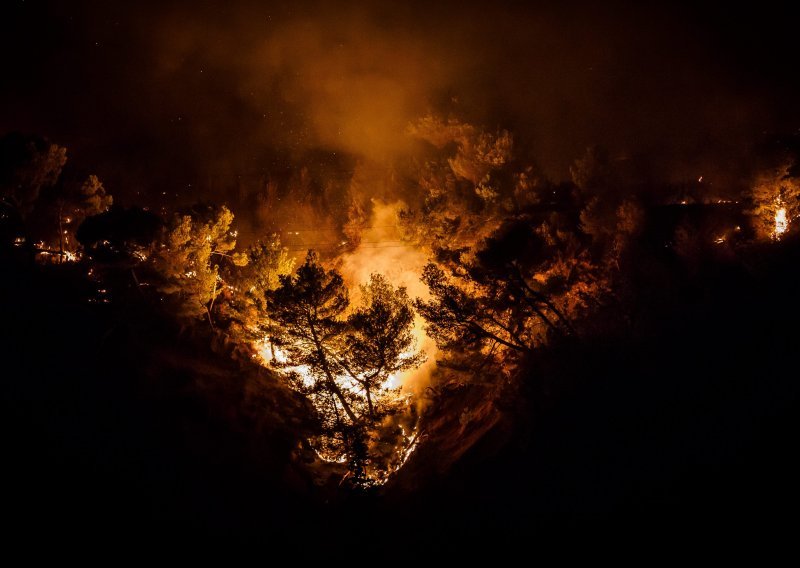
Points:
x=382 y=251
x=271 y=355
x=781 y=222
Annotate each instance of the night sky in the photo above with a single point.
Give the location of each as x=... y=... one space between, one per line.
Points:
x=181 y=96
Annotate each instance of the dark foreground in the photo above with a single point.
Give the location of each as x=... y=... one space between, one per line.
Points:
x=118 y=429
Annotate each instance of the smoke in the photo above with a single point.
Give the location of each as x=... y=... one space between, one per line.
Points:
x=358 y=85
x=382 y=251
x=262 y=85
x=204 y=100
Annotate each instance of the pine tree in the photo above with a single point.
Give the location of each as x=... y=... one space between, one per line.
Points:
x=776 y=200
x=307 y=307
x=193 y=246
x=246 y=307
x=380 y=341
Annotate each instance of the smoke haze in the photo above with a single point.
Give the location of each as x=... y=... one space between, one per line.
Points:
x=191 y=98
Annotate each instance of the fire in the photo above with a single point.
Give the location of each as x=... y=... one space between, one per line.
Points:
x=382 y=251
x=271 y=355
x=395 y=380
x=781 y=223
x=324 y=448
x=411 y=440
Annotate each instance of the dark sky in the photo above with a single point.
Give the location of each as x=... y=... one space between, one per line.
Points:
x=160 y=95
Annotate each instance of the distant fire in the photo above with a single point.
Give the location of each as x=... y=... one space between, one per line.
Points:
x=781 y=222
x=50 y=254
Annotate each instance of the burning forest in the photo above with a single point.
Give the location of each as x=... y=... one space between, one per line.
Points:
x=332 y=270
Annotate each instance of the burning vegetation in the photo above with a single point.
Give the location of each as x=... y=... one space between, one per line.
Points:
x=391 y=320
x=776 y=200
x=348 y=367
x=482 y=264
x=396 y=273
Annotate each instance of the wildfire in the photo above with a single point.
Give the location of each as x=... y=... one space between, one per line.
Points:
x=402 y=263
x=781 y=223
x=325 y=448
x=50 y=254
x=410 y=442
x=395 y=380
x=271 y=355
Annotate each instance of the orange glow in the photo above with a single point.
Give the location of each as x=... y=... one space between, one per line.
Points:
x=273 y=356
x=327 y=450
x=781 y=223
x=383 y=251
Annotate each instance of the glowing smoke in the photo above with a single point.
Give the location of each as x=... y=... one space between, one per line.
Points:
x=383 y=251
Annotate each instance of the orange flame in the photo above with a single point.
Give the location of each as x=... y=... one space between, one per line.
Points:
x=383 y=251
x=781 y=223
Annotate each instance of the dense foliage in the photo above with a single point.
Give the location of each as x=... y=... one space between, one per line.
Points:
x=517 y=265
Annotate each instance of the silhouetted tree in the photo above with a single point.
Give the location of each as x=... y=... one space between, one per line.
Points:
x=28 y=165
x=380 y=340
x=511 y=293
x=307 y=308
x=120 y=234
x=344 y=363
x=67 y=205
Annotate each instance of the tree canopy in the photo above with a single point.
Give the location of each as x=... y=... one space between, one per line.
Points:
x=245 y=306
x=521 y=286
x=380 y=340
x=342 y=361
x=28 y=165
x=192 y=248
x=776 y=200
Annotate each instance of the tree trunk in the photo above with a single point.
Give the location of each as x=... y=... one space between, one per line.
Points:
x=328 y=374
x=369 y=403
x=336 y=390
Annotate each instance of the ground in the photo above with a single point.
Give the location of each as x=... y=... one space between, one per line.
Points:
x=115 y=425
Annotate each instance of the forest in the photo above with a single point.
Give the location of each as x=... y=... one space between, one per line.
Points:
x=332 y=277
x=435 y=338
